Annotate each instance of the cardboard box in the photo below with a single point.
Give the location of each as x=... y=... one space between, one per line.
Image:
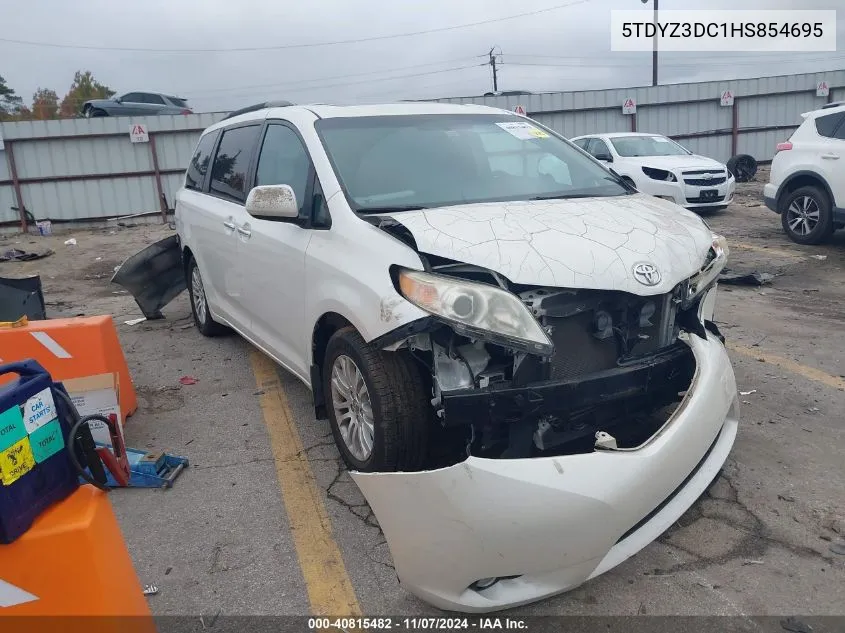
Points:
x=96 y=395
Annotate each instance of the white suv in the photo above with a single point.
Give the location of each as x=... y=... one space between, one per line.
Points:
x=807 y=182
x=480 y=305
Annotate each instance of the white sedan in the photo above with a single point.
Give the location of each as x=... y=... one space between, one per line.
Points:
x=658 y=166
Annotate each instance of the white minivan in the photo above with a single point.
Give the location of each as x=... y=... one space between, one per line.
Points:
x=515 y=349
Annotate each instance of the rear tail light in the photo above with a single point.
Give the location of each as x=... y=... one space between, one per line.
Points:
x=186 y=111
x=782 y=147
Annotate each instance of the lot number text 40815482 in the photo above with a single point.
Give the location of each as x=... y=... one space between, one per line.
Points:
x=415 y=624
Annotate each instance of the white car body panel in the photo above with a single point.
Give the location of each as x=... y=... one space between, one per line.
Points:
x=679 y=192
x=555 y=521
x=581 y=243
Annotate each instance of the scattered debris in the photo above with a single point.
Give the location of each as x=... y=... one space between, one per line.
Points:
x=150 y=590
x=747 y=393
x=186 y=326
x=787 y=498
x=96 y=259
x=795 y=625
x=188 y=380
x=825 y=537
x=812 y=409
x=838 y=547
x=260 y=392
x=70 y=242
x=753 y=562
x=135 y=321
x=821 y=258
x=745 y=279
x=167 y=571
x=17 y=255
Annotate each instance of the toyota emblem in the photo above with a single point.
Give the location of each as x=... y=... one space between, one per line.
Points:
x=647 y=274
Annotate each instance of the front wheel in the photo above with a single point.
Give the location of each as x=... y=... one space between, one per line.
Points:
x=199 y=303
x=806 y=216
x=378 y=410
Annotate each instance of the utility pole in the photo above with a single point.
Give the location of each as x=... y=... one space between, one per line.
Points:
x=654 y=53
x=493 y=65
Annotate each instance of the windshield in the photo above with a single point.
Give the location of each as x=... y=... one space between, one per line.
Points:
x=647 y=146
x=387 y=163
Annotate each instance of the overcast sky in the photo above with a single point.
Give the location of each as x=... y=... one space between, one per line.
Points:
x=564 y=49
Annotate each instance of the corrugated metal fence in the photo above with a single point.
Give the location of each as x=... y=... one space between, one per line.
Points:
x=764 y=112
x=84 y=169
x=87 y=169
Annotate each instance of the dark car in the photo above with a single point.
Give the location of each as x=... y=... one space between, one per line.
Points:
x=136 y=104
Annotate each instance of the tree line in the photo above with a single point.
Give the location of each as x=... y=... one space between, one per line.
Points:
x=46 y=104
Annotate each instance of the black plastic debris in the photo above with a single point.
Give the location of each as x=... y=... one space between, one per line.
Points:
x=745 y=279
x=17 y=255
x=743 y=167
x=795 y=625
x=22 y=297
x=153 y=276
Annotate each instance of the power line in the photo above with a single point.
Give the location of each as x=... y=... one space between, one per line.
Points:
x=345 y=75
x=366 y=81
x=374 y=38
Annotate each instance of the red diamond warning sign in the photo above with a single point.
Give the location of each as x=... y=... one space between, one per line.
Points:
x=519 y=110
x=629 y=106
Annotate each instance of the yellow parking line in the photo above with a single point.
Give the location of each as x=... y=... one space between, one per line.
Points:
x=330 y=591
x=762 y=249
x=810 y=373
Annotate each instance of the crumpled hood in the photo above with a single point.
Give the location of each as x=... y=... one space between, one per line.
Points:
x=579 y=243
x=679 y=163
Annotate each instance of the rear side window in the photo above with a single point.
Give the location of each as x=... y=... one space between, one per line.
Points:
x=231 y=164
x=198 y=166
x=284 y=161
x=154 y=99
x=179 y=103
x=826 y=125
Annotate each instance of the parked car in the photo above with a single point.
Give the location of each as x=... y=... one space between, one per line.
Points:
x=807 y=179
x=136 y=104
x=514 y=349
x=659 y=166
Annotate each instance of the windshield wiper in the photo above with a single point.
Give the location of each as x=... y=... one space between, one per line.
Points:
x=395 y=208
x=567 y=196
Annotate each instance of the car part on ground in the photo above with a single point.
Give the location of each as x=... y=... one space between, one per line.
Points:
x=21 y=298
x=153 y=276
x=743 y=167
x=805 y=185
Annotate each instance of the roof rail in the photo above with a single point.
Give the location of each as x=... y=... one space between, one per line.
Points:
x=256 y=107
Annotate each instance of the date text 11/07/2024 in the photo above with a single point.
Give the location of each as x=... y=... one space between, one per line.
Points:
x=414 y=624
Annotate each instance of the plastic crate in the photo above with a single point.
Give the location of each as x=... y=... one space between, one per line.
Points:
x=35 y=469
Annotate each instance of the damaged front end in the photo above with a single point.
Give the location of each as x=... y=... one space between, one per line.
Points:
x=569 y=457
x=564 y=372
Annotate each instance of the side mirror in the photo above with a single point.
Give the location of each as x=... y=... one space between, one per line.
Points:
x=272 y=201
x=116 y=100
x=607 y=158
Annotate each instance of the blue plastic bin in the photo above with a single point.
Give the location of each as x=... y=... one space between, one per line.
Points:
x=35 y=469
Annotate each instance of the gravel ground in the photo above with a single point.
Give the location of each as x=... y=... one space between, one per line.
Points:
x=758 y=543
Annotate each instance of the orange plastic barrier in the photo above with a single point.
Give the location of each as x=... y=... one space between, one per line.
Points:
x=71 y=348
x=73 y=562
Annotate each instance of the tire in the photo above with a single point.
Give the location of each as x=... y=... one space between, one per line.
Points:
x=97 y=113
x=400 y=412
x=812 y=228
x=199 y=303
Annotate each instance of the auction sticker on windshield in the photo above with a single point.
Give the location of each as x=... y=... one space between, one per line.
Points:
x=522 y=131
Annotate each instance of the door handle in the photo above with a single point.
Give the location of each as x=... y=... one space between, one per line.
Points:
x=830 y=156
x=244 y=230
x=229 y=225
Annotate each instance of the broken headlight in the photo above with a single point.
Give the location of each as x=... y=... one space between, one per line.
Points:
x=476 y=310
x=717 y=256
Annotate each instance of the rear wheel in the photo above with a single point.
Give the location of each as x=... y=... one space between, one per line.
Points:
x=378 y=410
x=806 y=216
x=199 y=303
